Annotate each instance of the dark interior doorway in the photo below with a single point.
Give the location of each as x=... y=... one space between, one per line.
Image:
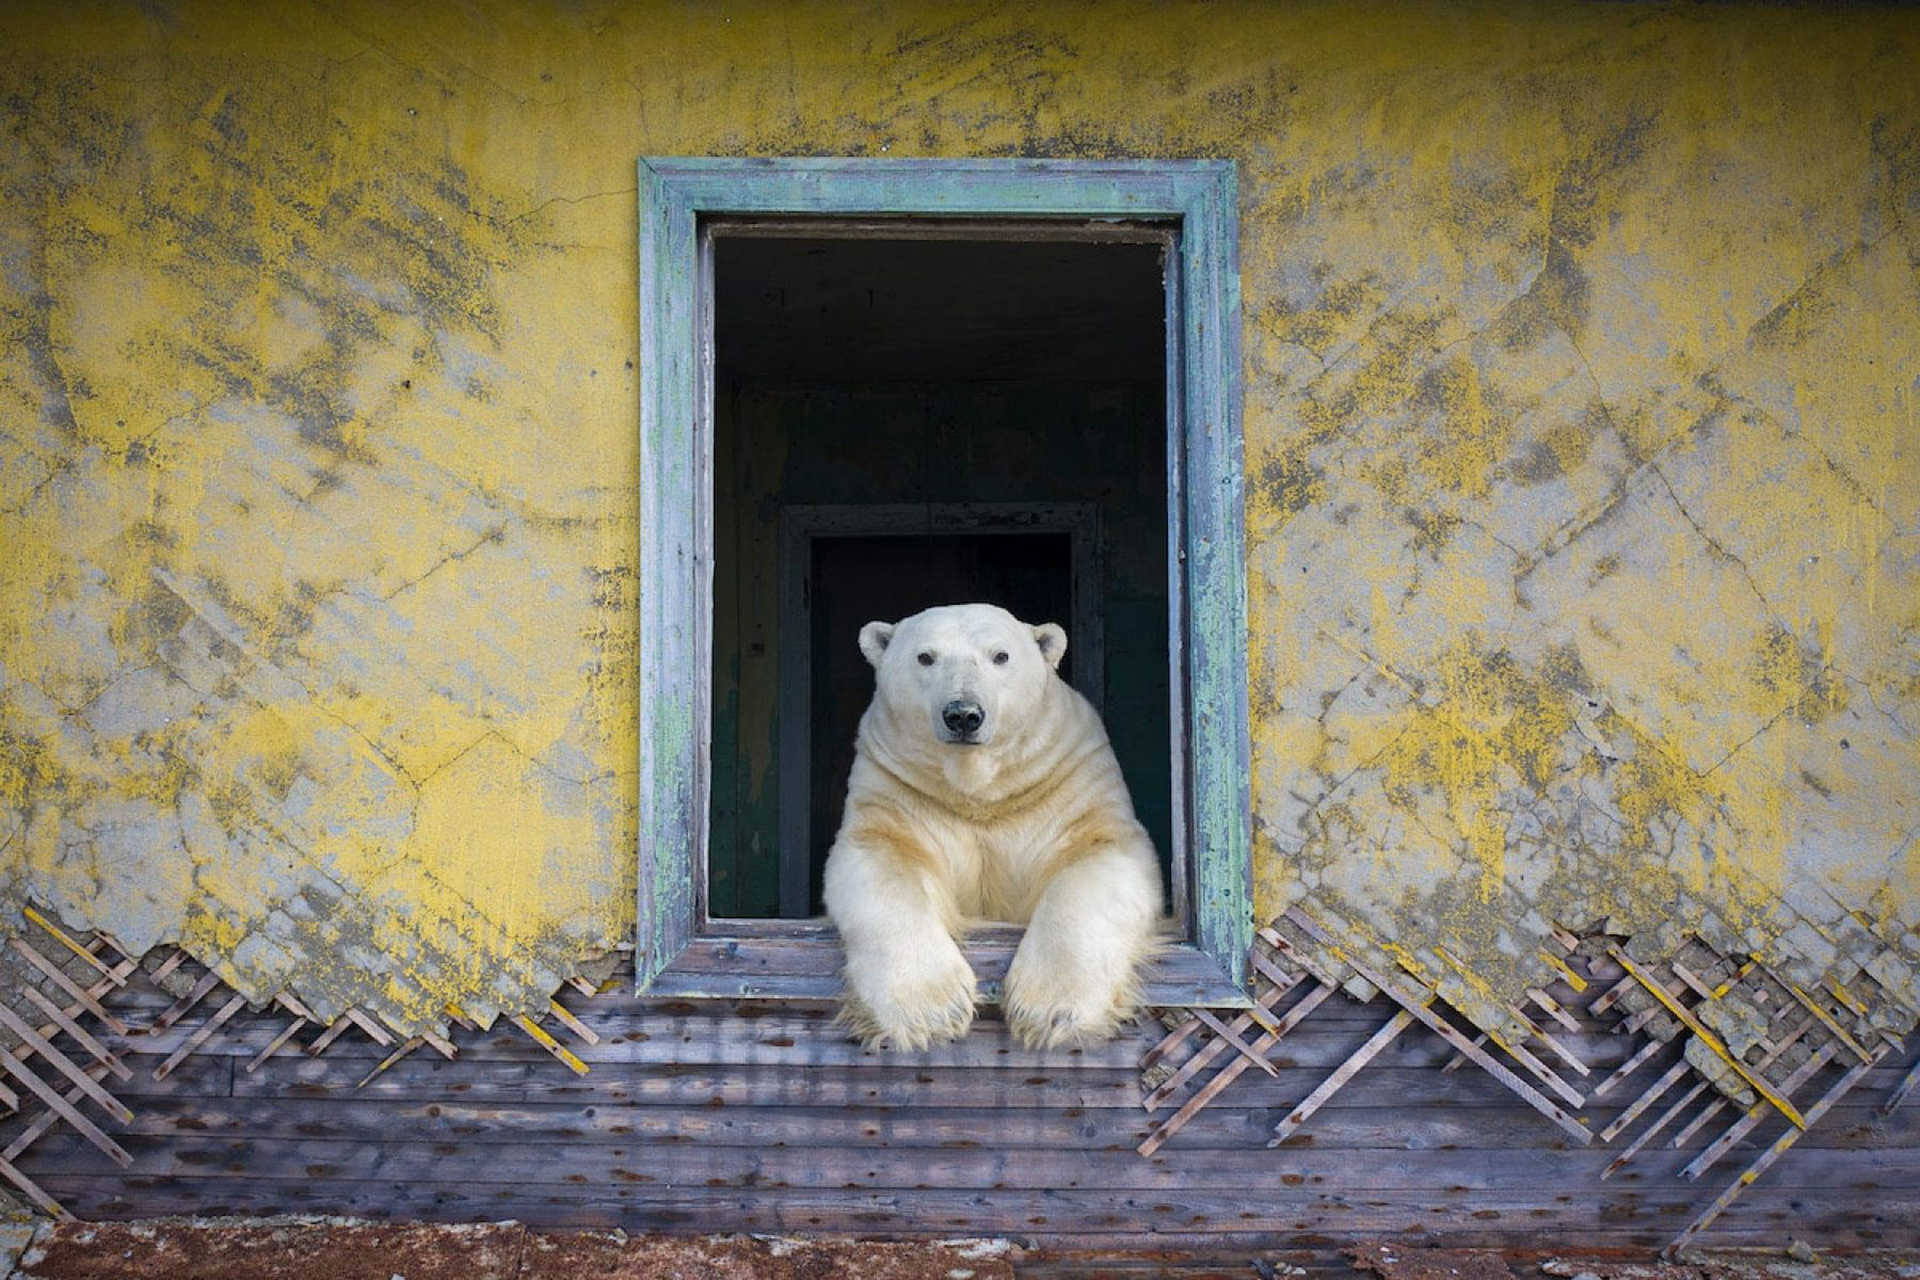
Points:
x=921 y=384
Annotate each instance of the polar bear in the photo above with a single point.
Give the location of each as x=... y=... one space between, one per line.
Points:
x=984 y=788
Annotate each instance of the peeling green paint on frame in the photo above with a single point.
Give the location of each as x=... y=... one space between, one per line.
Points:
x=1207 y=558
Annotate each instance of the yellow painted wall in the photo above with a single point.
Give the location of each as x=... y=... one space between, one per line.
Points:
x=1582 y=360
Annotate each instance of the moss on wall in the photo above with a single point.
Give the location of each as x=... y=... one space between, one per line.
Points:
x=1582 y=350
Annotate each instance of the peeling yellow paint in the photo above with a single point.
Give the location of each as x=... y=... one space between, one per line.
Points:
x=1580 y=360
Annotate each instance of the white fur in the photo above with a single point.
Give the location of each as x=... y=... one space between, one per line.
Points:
x=1030 y=823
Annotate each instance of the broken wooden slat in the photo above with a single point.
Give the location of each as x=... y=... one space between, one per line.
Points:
x=1828 y=1021
x=1719 y=1104
x=1627 y=1068
x=377 y=1033
x=1690 y=980
x=334 y=1031
x=1452 y=1035
x=551 y=1045
x=59 y=935
x=405 y=1048
x=1553 y=1009
x=1566 y=972
x=1746 y=1123
x=1169 y=1042
x=61 y=1063
x=199 y=1037
x=66 y=984
x=273 y=1047
x=1660 y=1122
x=292 y=1004
x=184 y=1005
x=1346 y=1071
x=165 y=968
x=584 y=987
x=1900 y=1091
x=31 y=1189
x=1706 y=1037
x=441 y=1045
x=67 y=1111
x=1772 y=1154
x=1207 y=1052
x=81 y=1036
x=1238 y=1045
x=1229 y=1073
x=1540 y=1070
x=1652 y=1095
x=1611 y=996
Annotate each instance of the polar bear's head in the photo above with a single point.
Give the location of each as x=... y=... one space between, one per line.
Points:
x=964 y=671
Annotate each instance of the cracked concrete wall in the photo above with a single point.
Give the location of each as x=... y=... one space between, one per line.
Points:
x=1581 y=352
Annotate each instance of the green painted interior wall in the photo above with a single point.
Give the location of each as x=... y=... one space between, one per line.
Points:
x=1580 y=405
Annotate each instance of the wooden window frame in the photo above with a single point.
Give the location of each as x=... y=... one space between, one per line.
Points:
x=678 y=950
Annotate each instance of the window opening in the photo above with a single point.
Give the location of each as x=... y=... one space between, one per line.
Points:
x=934 y=416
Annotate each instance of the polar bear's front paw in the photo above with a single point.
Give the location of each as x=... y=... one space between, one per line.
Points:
x=909 y=1003
x=1048 y=1013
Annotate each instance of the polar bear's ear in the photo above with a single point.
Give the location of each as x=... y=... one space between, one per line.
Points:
x=1053 y=643
x=873 y=640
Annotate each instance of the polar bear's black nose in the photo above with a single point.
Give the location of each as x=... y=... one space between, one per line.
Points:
x=963 y=717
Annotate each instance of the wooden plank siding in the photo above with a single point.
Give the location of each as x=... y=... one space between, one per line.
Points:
x=727 y=1116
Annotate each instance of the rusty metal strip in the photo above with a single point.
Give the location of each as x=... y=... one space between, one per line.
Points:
x=61 y=1063
x=199 y=1037
x=551 y=1045
x=67 y=1111
x=1706 y=1037
x=1346 y=1071
x=1652 y=1095
x=59 y=935
x=292 y=1029
x=81 y=1036
x=1231 y=1072
x=184 y=1005
x=1781 y=1145
x=1447 y=1031
x=85 y=999
x=1652 y=1131
x=1754 y=1115
x=1239 y=1046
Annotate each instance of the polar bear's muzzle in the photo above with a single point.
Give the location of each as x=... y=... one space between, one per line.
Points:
x=963 y=719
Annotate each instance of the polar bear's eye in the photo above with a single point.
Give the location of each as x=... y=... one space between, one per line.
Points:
x=926 y=659
x=1000 y=659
